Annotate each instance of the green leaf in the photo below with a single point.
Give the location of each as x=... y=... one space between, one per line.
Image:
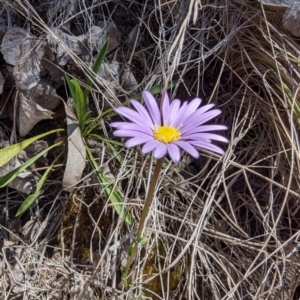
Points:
x=31 y=198
x=9 y=177
x=79 y=100
x=130 y=250
x=87 y=117
x=70 y=86
x=96 y=68
x=6 y=154
x=80 y=103
x=110 y=190
x=143 y=240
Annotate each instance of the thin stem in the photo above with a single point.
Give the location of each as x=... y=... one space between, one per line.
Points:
x=144 y=215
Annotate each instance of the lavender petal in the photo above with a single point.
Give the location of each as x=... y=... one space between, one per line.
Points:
x=133 y=116
x=130 y=133
x=150 y=146
x=189 y=111
x=152 y=107
x=197 y=115
x=187 y=147
x=174 y=122
x=138 y=140
x=142 y=110
x=174 y=152
x=203 y=136
x=165 y=107
x=205 y=128
x=160 y=150
x=132 y=126
x=174 y=107
x=207 y=146
x=196 y=121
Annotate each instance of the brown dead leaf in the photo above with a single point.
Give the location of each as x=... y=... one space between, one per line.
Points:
x=35 y=148
x=76 y=159
x=96 y=38
x=50 y=66
x=128 y=80
x=77 y=44
x=113 y=34
x=30 y=113
x=97 y=35
x=36 y=105
x=27 y=70
x=10 y=46
x=110 y=71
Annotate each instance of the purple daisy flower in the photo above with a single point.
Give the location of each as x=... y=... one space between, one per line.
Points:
x=176 y=126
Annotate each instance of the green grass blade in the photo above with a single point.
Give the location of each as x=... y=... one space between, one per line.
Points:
x=80 y=103
x=6 y=154
x=31 y=198
x=96 y=68
x=110 y=190
x=78 y=97
x=9 y=177
x=70 y=86
x=87 y=119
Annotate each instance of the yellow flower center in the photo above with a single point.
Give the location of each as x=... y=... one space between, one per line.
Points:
x=166 y=134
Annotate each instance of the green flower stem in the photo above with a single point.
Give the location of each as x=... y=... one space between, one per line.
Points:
x=144 y=215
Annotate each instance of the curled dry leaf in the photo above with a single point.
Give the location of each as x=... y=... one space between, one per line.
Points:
x=113 y=34
x=76 y=44
x=59 y=8
x=76 y=159
x=110 y=72
x=36 y=105
x=34 y=148
x=30 y=113
x=27 y=70
x=96 y=37
x=10 y=46
x=128 y=80
x=49 y=66
x=93 y=39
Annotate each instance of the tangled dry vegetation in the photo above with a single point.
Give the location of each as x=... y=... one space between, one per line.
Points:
x=220 y=227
